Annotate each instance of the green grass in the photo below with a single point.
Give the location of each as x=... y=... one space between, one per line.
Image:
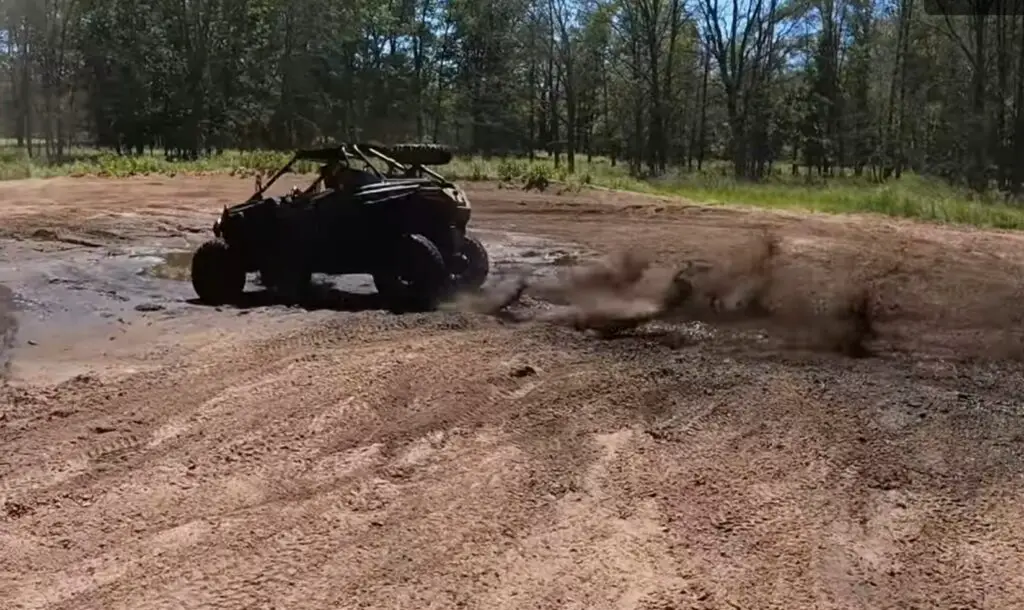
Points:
x=14 y=164
x=910 y=197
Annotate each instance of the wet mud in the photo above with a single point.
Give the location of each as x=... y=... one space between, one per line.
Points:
x=46 y=293
x=8 y=325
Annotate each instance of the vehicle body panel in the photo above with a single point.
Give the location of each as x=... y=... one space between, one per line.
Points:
x=346 y=230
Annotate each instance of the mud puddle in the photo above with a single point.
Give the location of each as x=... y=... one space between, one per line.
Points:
x=511 y=255
x=45 y=293
x=81 y=288
x=172 y=266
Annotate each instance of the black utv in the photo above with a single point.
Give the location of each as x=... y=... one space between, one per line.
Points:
x=406 y=226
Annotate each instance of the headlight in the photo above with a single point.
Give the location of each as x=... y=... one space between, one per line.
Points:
x=458 y=195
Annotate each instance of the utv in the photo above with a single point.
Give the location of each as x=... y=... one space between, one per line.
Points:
x=406 y=226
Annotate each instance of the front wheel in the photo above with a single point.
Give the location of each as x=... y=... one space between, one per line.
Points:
x=218 y=277
x=474 y=264
x=414 y=276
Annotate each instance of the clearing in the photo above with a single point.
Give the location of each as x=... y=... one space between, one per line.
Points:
x=159 y=454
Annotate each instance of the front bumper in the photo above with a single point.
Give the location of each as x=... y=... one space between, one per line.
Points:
x=463 y=208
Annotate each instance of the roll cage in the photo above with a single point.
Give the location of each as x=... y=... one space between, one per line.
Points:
x=343 y=156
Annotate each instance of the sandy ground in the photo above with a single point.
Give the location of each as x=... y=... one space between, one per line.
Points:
x=159 y=454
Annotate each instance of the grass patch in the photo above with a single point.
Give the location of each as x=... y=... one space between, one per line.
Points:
x=910 y=197
x=89 y=162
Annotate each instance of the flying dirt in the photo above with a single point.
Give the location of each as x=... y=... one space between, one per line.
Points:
x=610 y=295
x=547 y=443
x=627 y=289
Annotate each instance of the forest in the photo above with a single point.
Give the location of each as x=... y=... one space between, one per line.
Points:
x=818 y=88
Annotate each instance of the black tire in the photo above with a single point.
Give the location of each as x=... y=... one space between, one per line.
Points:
x=475 y=264
x=420 y=154
x=415 y=277
x=218 y=277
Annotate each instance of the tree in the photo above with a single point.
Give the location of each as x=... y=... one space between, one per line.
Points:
x=835 y=85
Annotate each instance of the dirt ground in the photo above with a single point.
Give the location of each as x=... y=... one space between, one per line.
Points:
x=161 y=454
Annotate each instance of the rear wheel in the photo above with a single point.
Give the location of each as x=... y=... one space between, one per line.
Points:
x=414 y=277
x=218 y=276
x=474 y=264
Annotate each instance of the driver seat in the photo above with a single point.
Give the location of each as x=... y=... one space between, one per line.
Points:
x=348 y=179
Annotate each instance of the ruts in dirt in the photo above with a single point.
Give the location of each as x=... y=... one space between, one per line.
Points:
x=717 y=456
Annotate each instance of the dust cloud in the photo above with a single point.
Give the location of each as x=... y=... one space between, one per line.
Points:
x=629 y=288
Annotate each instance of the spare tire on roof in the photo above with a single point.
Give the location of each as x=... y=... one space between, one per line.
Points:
x=419 y=154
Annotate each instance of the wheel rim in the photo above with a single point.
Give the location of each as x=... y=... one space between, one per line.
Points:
x=409 y=275
x=470 y=267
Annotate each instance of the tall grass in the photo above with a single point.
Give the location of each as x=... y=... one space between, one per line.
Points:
x=909 y=197
x=912 y=196
x=87 y=162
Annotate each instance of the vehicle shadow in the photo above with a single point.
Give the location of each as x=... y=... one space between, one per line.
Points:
x=317 y=298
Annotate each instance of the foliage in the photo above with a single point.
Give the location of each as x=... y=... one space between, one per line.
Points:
x=874 y=88
x=911 y=197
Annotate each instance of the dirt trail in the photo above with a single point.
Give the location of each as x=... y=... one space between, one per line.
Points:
x=268 y=457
